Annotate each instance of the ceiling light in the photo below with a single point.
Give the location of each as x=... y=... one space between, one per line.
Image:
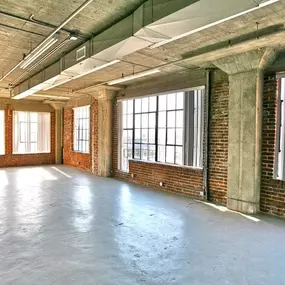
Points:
x=36 y=53
x=134 y=76
x=263 y=4
x=96 y=68
x=73 y=37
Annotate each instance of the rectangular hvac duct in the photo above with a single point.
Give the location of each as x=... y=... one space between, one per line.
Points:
x=154 y=22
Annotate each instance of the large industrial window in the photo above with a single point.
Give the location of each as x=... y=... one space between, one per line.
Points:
x=166 y=128
x=31 y=132
x=2 y=133
x=279 y=169
x=81 y=129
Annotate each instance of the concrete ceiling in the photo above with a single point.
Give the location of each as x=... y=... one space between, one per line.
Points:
x=101 y=14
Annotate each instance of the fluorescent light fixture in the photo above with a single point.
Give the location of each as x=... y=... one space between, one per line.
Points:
x=263 y=4
x=133 y=76
x=84 y=73
x=36 y=53
x=57 y=84
x=97 y=68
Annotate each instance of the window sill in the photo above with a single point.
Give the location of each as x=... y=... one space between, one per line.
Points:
x=75 y=151
x=168 y=164
x=30 y=153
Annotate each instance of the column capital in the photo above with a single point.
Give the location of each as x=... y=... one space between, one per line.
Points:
x=56 y=105
x=247 y=61
x=104 y=93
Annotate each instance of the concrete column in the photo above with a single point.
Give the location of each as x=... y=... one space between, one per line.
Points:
x=105 y=99
x=245 y=127
x=58 y=107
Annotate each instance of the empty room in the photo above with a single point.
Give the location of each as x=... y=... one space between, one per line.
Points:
x=142 y=142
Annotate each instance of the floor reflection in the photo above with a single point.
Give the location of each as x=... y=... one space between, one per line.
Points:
x=83 y=216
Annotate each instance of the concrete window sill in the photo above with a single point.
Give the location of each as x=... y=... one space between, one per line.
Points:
x=168 y=164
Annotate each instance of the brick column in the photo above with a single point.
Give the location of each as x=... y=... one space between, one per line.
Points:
x=105 y=99
x=245 y=127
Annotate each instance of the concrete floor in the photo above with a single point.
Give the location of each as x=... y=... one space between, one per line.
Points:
x=59 y=225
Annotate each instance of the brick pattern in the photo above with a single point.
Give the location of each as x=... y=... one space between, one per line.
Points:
x=218 y=143
x=176 y=179
x=272 y=191
x=77 y=159
x=10 y=159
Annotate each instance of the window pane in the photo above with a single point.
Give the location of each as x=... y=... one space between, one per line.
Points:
x=151 y=153
x=152 y=104
x=161 y=153
x=125 y=106
x=130 y=106
x=145 y=121
x=151 y=119
x=161 y=136
x=171 y=136
x=130 y=137
x=125 y=150
x=124 y=120
x=151 y=138
x=138 y=106
x=138 y=121
x=137 y=151
x=144 y=152
x=171 y=119
x=125 y=136
x=171 y=101
x=162 y=119
x=145 y=105
x=179 y=119
x=179 y=100
x=162 y=102
x=178 y=155
x=170 y=154
x=179 y=136
x=130 y=121
x=144 y=135
x=137 y=135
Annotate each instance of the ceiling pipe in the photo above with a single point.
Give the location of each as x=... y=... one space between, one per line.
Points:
x=77 y=11
x=33 y=21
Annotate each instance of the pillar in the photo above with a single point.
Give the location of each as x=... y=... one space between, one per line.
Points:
x=58 y=109
x=105 y=98
x=245 y=127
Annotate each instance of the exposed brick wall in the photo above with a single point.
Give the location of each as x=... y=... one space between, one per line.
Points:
x=272 y=191
x=10 y=159
x=77 y=159
x=218 y=143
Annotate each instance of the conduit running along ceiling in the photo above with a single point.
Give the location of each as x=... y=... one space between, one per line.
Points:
x=154 y=22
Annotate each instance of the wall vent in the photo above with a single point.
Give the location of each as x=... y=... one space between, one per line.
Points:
x=81 y=53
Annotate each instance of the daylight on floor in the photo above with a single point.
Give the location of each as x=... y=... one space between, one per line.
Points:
x=142 y=142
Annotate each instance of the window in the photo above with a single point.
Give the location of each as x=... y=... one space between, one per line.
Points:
x=2 y=133
x=279 y=169
x=166 y=128
x=81 y=129
x=31 y=132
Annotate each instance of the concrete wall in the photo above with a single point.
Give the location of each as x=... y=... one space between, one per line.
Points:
x=10 y=159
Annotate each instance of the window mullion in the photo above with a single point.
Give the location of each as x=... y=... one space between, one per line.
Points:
x=156 y=130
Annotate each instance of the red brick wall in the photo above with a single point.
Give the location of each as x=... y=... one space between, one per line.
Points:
x=272 y=191
x=77 y=159
x=10 y=159
x=218 y=143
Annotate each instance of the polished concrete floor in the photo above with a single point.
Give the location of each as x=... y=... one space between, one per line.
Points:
x=60 y=225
